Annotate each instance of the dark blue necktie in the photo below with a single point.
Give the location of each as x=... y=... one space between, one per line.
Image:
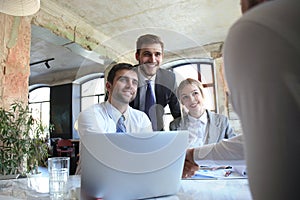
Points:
x=120 y=125
x=149 y=101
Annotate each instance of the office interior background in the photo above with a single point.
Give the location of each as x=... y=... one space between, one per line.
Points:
x=72 y=43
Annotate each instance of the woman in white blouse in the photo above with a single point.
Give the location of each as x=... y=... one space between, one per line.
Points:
x=205 y=126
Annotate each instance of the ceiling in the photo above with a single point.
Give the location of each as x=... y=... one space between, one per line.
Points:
x=84 y=37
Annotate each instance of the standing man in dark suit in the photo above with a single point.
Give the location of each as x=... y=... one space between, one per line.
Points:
x=149 y=54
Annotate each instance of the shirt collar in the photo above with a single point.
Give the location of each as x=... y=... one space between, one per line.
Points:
x=114 y=113
x=203 y=118
x=142 y=78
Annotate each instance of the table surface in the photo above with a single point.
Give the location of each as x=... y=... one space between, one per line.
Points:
x=37 y=188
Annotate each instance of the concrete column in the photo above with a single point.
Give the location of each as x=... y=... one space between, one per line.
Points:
x=15 y=40
x=225 y=106
x=222 y=88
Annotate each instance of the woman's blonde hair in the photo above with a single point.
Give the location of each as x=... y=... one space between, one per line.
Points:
x=189 y=81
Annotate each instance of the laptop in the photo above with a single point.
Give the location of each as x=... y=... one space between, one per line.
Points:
x=132 y=166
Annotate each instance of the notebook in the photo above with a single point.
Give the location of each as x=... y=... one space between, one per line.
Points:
x=132 y=166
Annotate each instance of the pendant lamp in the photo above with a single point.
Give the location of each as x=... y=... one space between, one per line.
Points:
x=19 y=7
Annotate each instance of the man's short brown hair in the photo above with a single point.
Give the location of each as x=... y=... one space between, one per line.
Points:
x=148 y=39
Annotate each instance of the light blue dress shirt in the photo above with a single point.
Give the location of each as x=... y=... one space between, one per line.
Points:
x=102 y=118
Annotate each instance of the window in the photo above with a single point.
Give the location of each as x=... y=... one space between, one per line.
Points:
x=92 y=92
x=92 y=88
x=202 y=72
x=39 y=104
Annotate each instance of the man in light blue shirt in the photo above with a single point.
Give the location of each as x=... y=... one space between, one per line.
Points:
x=122 y=83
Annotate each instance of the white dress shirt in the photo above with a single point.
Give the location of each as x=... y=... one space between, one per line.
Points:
x=198 y=130
x=103 y=117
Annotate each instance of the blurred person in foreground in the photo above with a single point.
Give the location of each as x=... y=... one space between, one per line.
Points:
x=261 y=59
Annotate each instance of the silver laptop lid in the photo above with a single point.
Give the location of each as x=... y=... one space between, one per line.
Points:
x=132 y=166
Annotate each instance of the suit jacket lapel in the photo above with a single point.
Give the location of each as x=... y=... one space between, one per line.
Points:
x=158 y=88
x=213 y=130
x=136 y=101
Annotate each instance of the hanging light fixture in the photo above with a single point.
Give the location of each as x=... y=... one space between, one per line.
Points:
x=47 y=64
x=19 y=7
x=43 y=61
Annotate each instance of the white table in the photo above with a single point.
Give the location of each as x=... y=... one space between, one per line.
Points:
x=16 y=189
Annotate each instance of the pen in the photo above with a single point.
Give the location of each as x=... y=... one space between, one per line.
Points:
x=227 y=173
x=203 y=167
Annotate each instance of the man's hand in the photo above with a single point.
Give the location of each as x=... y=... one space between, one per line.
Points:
x=190 y=167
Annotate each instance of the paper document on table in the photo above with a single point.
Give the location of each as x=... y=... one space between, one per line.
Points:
x=220 y=172
x=240 y=169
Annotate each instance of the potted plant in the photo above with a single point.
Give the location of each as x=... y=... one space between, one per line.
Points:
x=23 y=141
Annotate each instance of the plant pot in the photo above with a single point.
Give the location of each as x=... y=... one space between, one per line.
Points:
x=6 y=177
x=38 y=182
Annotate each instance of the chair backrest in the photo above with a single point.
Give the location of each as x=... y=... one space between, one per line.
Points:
x=64 y=143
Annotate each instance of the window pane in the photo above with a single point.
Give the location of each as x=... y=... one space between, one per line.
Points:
x=35 y=108
x=39 y=105
x=206 y=73
x=88 y=101
x=209 y=98
x=93 y=87
x=186 y=71
x=92 y=92
x=39 y=94
x=45 y=115
x=101 y=98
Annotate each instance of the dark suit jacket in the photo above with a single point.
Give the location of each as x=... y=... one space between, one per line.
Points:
x=165 y=94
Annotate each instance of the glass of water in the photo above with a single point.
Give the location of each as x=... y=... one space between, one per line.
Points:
x=58 y=168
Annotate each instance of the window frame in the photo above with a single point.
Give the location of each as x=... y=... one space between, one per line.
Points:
x=40 y=104
x=171 y=65
x=199 y=61
x=87 y=79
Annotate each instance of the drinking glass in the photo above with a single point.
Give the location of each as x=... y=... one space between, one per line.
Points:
x=58 y=168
